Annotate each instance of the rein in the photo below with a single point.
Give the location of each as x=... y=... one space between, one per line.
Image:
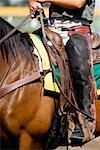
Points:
x=24 y=21
x=7 y=89
x=36 y=76
x=75 y=106
x=19 y=83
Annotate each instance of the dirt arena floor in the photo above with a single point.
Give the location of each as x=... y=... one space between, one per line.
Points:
x=92 y=145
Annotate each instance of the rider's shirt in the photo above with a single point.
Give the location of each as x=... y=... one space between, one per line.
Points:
x=85 y=12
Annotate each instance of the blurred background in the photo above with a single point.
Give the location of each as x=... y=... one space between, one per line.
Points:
x=15 y=10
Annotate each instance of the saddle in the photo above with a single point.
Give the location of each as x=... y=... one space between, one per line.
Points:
x=95 y=47
x=95 y=40
x=66 y=120
x=59 y=55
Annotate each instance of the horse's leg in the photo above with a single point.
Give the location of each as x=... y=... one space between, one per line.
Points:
x=28 y=142
x=25 y=141
x=38 y=143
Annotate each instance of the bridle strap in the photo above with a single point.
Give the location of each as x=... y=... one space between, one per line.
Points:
x=24 y=21
x=19 y=83
x=36 y=76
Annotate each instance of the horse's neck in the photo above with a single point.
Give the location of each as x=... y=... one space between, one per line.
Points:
x=18 y=70
x=3 y=67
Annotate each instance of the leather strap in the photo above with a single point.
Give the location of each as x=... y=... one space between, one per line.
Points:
x=9 y=88
x=59 y=86
x=24 y=22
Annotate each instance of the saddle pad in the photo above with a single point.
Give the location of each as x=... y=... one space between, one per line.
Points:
x=44 y=63
x=96 y=69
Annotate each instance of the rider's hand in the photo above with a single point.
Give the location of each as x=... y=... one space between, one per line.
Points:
x=42 y=1
x=34 y=5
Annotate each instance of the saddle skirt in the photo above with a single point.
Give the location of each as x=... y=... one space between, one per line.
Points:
x=44 y=63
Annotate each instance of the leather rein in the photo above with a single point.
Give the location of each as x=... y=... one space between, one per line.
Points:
x=37 y=76
x=21 y=82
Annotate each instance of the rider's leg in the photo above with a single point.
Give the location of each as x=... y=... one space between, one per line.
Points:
x=79 y=50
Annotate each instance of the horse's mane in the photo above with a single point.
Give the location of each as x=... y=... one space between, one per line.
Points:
x=18 y=43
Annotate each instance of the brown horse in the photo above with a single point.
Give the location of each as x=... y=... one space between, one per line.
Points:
x=25 y=112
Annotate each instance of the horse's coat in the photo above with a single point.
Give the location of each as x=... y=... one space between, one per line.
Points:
x=25 y=112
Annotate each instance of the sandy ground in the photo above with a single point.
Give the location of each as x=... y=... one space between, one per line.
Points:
x=92 y=145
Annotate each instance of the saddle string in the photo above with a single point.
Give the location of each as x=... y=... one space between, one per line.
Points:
x=60 y=88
